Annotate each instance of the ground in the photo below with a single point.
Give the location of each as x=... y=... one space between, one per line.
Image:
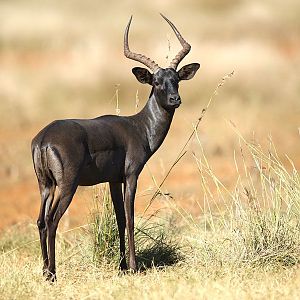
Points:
x=62 y=59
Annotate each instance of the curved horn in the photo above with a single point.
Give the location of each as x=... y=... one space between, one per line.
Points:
x=186 y=47
x=135 y=56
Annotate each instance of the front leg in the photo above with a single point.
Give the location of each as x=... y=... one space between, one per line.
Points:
x=117 y=198
x=130 y=189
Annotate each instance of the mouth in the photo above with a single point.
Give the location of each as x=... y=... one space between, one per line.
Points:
x=176 y=104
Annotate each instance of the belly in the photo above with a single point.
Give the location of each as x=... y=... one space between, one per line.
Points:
x=104 y=166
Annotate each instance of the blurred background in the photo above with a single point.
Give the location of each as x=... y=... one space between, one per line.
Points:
x=64 y=59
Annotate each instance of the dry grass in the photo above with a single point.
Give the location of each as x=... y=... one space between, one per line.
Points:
x=232 y=204
x=244 y=246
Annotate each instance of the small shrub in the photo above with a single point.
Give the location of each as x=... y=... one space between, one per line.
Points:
x=155 y=243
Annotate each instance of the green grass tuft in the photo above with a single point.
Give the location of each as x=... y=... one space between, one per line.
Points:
x=155 y=244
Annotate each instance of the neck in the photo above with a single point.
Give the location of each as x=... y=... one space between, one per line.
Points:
x=155 y=121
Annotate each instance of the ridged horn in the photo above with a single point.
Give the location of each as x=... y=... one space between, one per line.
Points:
x=136 y=56
x=186 y=47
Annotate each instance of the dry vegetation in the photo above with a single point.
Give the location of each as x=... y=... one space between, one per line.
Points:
x=244 y=245
x=228 y=225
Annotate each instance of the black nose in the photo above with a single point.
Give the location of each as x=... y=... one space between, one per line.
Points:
x=175 y=99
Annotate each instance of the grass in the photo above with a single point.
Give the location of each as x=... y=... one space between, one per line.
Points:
x=104 y=228
x=45 y=78
x=155 y=246
x=245 y=244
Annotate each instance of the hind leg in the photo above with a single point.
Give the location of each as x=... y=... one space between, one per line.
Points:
x=60 y=206
x=47 y=194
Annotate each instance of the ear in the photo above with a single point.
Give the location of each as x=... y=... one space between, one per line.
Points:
x=142 y=75
x=187 y=72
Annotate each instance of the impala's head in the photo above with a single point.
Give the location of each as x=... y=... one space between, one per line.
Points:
x=164 y=82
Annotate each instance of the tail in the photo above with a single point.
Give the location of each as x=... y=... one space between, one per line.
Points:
x=42 y=160
x=37 y=160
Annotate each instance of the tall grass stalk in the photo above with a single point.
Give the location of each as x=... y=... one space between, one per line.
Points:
x=258 y=220
x=104 y=227
x=183 y=150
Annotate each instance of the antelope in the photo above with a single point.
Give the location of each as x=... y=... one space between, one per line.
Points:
x=84 y=152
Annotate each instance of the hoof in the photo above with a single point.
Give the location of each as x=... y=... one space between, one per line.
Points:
x=122 y=273
x=127 y=271
x=49 y=276
x=131 y=271
x=123 y=267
